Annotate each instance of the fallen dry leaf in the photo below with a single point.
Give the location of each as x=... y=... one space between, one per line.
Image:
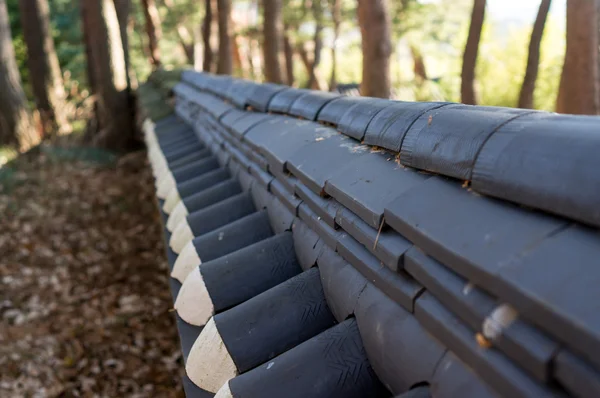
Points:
x=84 y=299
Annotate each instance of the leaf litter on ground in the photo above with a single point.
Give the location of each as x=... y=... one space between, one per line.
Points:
x=84 y=298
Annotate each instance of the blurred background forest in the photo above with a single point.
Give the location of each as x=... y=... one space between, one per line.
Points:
x=496 y=52
x=434 y=30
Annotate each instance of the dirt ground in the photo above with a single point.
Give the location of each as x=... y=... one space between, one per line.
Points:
x=84 y=300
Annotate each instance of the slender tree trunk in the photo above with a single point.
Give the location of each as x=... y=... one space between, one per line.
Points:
x=239 y=61
x=141 y=34
x=533 y=59
x=16 y=125
x=420 y=72
x=319 y=83
x=186 y=41
x=114 y=110
x=44 y=70
x=304 y=56
x=183 y=34
x=130 y=70
x=153 y=30
x=578 y=92
x=467 y=88
x=273 y=40
x=336 y=12
x=214 y=36
x=313 y=81
x=206 y=35
x=123 y=8
x=237 y=57
x=199 y=49
x=84 y=9
x=374 y=21
x=288 y=50
x=256 y=59
x=250 y=59
x=86 y=21
x=419 y=68
x=225 y=62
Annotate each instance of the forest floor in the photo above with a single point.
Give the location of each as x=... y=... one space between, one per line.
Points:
x=84 y=300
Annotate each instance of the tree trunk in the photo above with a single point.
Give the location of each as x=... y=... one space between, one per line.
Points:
x=187 y=42
x=237 y=57
x=225 y=62
x=214 y=36
x=318 y=83
x=16 y=125
x=114 y=111
x=336 y=13
x=578 y=92
x=419 y=68
x=84 y=9
x=374 y=21
x=304 y=56
x=206 y=35
x=183 y=34
x=250 y=58
x=130 y=69
x=44 y=70
x=273 y=40
x=257 y=62
x=123 y=8
x=199 y=49
x=533 y=59
x=240 y=62
x=153 y=30
x=288 y=50
x=467 y=87
x=313 y=79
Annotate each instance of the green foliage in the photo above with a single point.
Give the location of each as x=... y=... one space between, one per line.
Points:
x=185 y=12
x=407 y=15
x=66 y=31
x=501 y=67
x=7 y=154
x=68 y=38
x=441 y=35
x=437 y=28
